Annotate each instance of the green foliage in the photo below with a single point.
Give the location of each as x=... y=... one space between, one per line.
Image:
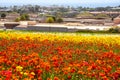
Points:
x=54 y=18
x=3 y=15
x=89 y=31
x=59 y=20
x=41 y=15
x=114 y=30
x=101 y=16
x=85 y=15
x=17 y=19
x=111 y=30
x=89 y=15
x=24 y=17
x=50 y=20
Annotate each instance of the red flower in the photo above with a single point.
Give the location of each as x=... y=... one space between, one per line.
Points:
x=56 y=78
x=7 y=74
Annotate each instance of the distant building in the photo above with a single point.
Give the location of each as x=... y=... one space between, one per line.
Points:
x=10 y=25
x=117 y=20
x=73 y=20
x=116 y=8
x=34 y=17
x=105 y=12
x=5 y=10
x=112 y=14
x=12 y=16
x=88 y=21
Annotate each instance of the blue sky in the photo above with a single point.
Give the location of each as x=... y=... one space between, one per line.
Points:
x=86 y=3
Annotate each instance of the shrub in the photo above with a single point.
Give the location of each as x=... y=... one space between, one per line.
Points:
x=100 y=16
x=85 y=15
x=59 y=20
x=114 y=30
x=50 y=20
x=3 y=15
x=24 y=17
x=17 y=19
x=54 y=18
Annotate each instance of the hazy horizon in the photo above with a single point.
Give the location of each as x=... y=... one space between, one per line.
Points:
x=75 y=3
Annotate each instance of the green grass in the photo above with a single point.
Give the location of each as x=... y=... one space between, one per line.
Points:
x=90 y=32
x=99 y=32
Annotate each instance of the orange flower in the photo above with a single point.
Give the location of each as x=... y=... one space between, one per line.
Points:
x=81 y=72
x=49 y=79
x=98 y=61
x=89 y=68
x=56 y=78
x=105 y=78
x=102 y=74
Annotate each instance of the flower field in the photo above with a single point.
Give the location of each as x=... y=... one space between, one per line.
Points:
x=58 y=56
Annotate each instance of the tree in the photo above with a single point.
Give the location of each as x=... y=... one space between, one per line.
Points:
x=50 y=20
x=3 y=15
x=59 y=20
x=54 y=18
x=24 y=17
x=17 y=19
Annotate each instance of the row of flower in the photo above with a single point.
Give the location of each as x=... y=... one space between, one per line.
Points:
x=48 y=56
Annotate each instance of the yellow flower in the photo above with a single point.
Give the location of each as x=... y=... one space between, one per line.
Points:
x=3 y=68
x=25 y=73
x=21 y=72
x=19 y=68
x=32 y=73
